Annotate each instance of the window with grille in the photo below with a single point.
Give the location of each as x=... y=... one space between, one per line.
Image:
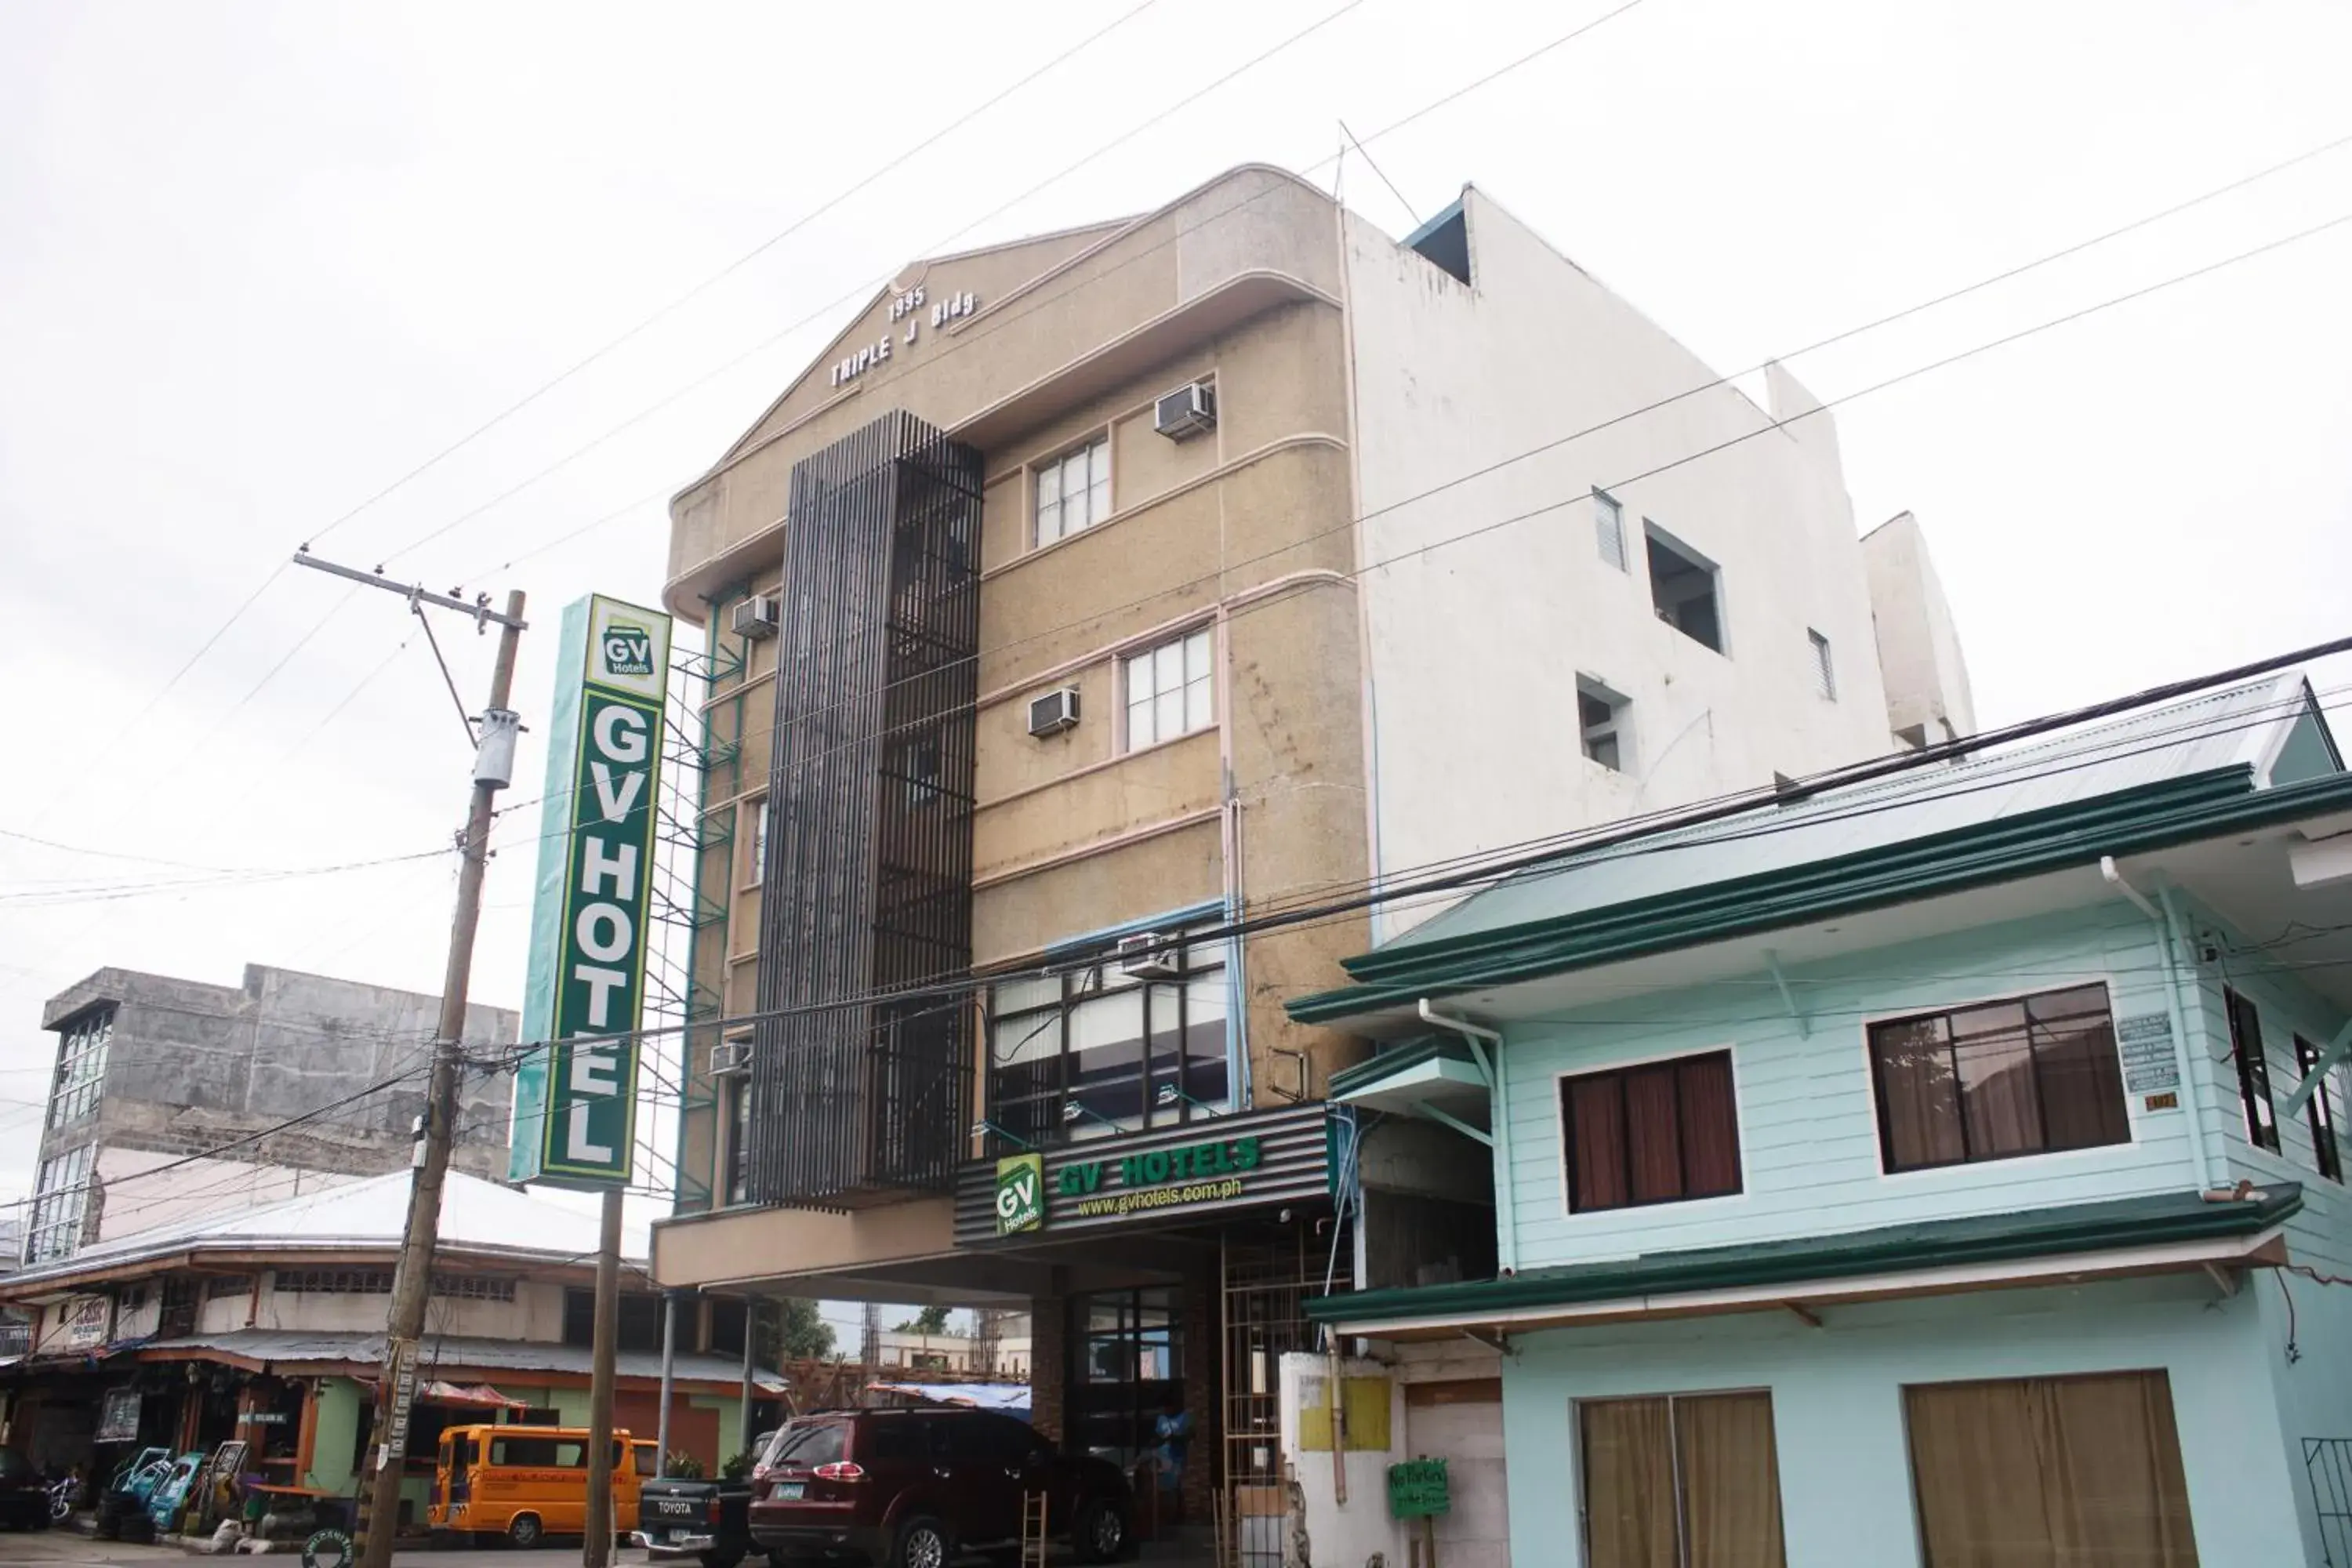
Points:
x=473 y=1287
x=1087 y=1054
x=60 y=1204
x=1999 y=1079
x=2254 y=1070
x=83 y=1048
x=737 y=1090
x=1074 y=491
x=1169 y=690
x=2325 y=1151
x=1824 y=666
x=1608 y=527
x=1658 y=1134
x=221 y=1286
x=335 y=1282
x=756 y=811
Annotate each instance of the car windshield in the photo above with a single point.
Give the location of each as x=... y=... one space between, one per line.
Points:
x=12 y=1465
x=818 y=1443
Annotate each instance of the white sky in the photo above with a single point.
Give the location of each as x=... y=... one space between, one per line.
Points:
x=258 y=261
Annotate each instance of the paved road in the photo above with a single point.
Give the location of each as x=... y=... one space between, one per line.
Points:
x=64 y=1547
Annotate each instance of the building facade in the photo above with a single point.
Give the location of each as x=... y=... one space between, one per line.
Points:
x=266 y=1325
x=1119 y=584
x=1941 y=1169
x=172 y=1099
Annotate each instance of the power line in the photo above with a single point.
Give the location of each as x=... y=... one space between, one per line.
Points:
x=1225 y=568
x=713 y=280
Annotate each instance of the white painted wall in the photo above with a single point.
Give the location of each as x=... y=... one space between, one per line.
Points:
x=1475 y=646
x=1918 y=646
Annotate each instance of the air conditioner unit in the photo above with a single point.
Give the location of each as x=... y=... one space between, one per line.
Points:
x=1186 y=412
x=730 y=1056
x=1054 y=713
x=1149 y=955
x=756 y=618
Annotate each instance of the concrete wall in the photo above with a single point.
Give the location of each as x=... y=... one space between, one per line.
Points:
x=1837 y=1407
x=179 y=1188
x=192 y=1067
x=1918 y=646
x=1808 y=1126
x=1485 y=600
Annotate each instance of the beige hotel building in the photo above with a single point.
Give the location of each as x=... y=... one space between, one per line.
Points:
x=1096 y=590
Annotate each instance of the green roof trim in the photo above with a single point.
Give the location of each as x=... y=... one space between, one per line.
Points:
x=2153 y=1221
x=1389 y=1063
x=2152 y=817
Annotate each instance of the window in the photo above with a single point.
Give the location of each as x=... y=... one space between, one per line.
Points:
x=60 y=1204
x=1083 y=1055
x=757 y=871
x=1074 y=491
x=2085 y=1469
x=540 y=1453
x=1683 y=588
x=737 y=1090
x=1689 y=1480
x=1167 y=690
x=1609 y=525
x=2253 y=1071
x=1824 y=669
x=1657 y=1133
x=2002 y=1079
x=221 y=1286
x=807 y=1446
x=473 y=1287
x=2322 y=1115
x=81 y=1067
x=1600 y=721
x=640 y=1320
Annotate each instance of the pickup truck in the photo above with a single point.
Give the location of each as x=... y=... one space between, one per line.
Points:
x=710 y=1520
x=707 y=1521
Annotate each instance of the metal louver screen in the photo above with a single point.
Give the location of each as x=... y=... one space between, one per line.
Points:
x=869 y=873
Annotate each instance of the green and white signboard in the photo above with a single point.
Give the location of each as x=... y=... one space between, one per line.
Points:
x=576 y=1098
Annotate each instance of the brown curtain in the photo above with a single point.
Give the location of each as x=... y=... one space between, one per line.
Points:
x=1653 y=1129
x=1596 y=1120
x=1923 y=1104
x=1628 y=1483
x=1731 y=1481
x=2000 y=1094
x=2081 y=1085
x=2078 y=1472
x=1710 y=1126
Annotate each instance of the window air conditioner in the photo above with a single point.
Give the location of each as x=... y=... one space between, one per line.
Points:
x=755 y=617
x=1054 y=713
x=1186 y=411
x=1149 y=955
x=730 y=1056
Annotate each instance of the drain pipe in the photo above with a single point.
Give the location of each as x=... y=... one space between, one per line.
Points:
x=1498 y=1116
x=2167 y=931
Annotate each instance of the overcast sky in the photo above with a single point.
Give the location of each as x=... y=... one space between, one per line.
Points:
x=257 y=262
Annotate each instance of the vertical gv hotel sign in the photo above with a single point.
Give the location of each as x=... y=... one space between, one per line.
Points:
x=576 y=1096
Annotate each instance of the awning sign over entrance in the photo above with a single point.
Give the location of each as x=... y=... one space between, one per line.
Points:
x=1204 y=1167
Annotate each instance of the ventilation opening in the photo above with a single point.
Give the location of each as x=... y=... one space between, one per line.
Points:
x=1444 y=240
x=1600 y=723
x=1683 y=587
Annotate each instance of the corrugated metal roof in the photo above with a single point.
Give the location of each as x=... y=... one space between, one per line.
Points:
x=476 y=1214
x=2237 y=727
x=452 y=1351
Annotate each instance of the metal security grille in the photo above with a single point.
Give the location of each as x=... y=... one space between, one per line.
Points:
x=869 y=870
x=2327 y=1467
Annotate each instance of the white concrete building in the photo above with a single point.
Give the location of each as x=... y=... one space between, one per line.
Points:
x=1565 y=511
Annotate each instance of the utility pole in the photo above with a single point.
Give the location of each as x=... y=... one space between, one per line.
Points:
x=596 y=1548
x=412 y=1279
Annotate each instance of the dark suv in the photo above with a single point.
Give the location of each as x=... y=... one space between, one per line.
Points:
x=916 y=1488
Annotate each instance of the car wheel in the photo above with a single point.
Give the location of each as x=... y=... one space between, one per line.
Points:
x=525 y=1530
x=923 y=1542
x=1100 y=1532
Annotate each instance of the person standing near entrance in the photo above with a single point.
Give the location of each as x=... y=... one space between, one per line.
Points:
x=1172 y=1429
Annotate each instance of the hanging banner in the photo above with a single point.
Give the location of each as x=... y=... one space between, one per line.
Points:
x=576 y=1098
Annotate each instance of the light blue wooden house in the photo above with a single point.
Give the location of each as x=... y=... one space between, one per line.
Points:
x=1937 y=1170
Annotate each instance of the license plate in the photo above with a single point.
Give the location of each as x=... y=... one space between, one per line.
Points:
x=790 y=1492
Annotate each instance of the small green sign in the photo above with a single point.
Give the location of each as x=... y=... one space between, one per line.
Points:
x=1020 y=1194
x=1418 y=1490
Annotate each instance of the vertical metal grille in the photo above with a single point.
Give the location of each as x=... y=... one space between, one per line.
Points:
x=868 y=874
x=1267 y=1282
x=2327 y=1467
